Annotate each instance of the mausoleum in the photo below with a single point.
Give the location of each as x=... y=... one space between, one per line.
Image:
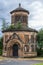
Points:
x=19 y=42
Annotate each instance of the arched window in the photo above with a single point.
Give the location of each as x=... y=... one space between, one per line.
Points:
x=6 y=38
x=12 y=19
x=32 y=48
x=35 y=47
x=18 y=18
x=36 y=39
x=26 y=48
x=32 y=38
x=5 y=48
x=25 y=18
x=26 y=38
x=21 y=18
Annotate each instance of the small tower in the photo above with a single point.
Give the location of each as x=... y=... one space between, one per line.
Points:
x=19 y=15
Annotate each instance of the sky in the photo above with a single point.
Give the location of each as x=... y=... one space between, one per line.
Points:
x=35 y=7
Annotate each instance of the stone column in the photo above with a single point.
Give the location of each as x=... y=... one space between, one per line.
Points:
x=29 y=48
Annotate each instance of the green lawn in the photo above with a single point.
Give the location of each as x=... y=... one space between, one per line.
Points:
x=39 y=64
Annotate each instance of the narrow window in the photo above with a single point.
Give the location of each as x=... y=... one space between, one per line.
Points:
x=26 y=48
x=32 y=48
x=32 y=38
x=26 y=38
x=6 y=37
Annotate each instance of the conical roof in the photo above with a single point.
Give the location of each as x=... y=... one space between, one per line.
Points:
x=19 y=9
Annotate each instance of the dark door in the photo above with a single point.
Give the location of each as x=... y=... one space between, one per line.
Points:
x=15 y=50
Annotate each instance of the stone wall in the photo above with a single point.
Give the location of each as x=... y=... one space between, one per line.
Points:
x=7 y=47
x=24 y=23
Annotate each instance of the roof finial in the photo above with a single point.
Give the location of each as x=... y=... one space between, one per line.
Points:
x=19 y=4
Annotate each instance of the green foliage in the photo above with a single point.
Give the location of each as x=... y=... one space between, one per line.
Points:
x=1 y=45
x=17 y=26
x=40 y=38
x=11 y=26
x=40 y=43
x=40 y=52
x=4 y=25
x=0 y=51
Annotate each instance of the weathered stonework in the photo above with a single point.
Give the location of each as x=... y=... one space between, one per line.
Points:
x=24 y=41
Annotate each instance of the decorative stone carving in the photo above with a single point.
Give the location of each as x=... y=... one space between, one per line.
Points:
x=14 y=36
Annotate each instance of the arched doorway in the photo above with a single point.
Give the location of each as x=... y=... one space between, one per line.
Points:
x=15 y=50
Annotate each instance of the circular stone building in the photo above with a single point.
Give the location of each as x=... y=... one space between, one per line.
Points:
x=19 y=42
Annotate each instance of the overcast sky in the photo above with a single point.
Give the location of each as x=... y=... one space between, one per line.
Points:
x=35 y=7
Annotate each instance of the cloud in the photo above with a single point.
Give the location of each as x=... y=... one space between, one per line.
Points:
x=36 y=9
x=36 y=24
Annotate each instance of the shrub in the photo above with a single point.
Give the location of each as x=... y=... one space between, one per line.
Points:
x=1 y=45
x=16 y=26
x=11 y=26
x=40 y=52
x=0 y=51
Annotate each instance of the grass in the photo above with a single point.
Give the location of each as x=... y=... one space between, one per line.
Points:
x=39 y=64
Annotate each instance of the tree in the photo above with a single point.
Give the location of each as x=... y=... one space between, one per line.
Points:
x=1 y=42
x=4 y=24
x=12 y=26
x=17 y=26
x=40 y=38
x=40 y=43
x=1 y=45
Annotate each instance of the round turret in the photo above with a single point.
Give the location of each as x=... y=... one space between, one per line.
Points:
x=19 y=15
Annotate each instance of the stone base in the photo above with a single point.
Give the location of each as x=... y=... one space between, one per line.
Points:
x=26 y=55
x=30 y=54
